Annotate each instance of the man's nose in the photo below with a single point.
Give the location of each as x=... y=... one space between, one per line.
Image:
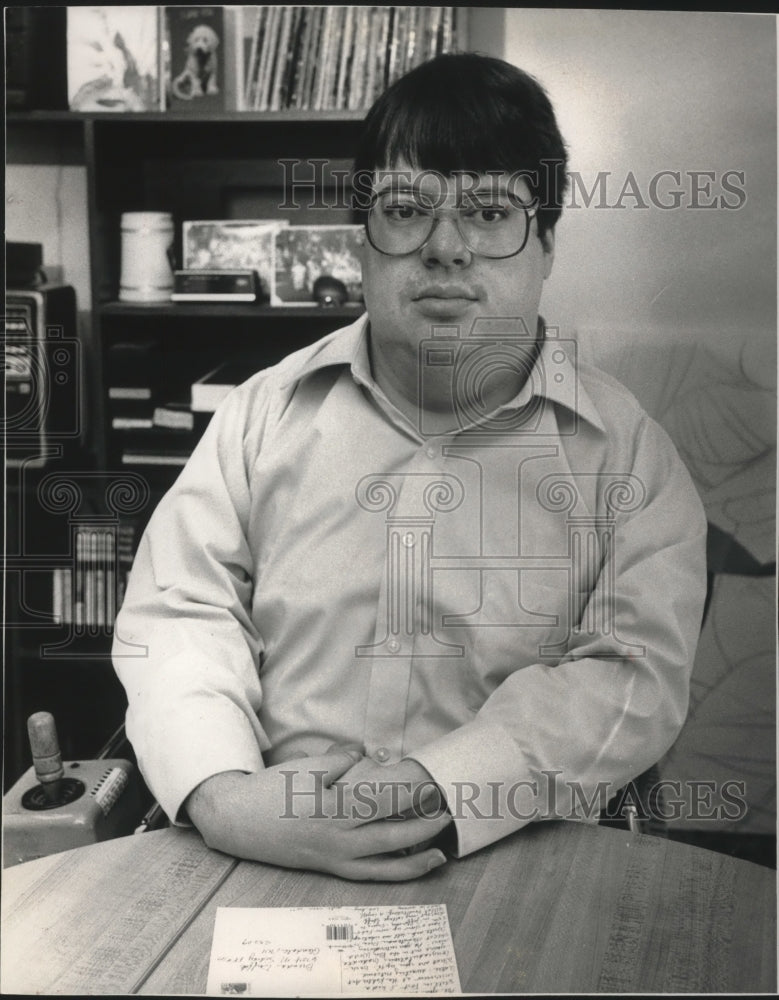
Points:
x=445 y=245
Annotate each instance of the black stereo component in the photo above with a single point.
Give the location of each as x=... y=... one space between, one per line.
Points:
x=23 y=264
x=43 y=375
x=227 y=285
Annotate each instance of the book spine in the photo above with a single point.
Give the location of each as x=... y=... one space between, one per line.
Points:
x=295 y=96
x=125 y=550
x=289 y=58
x=250 y=61
x=110 y=578
x=131 y=423
x=358 y=69
x=310 y=58
x=338 y=49
x=458 y=29
x=100 y=580
x=67 y=596
x=78 y=605
x=332 y=57
x=439 y=34
x=163 y=60
x=446 y=43
x=57 y=596
x=392 y=58
x=90 y=605
x=253 y=70
x=293 y=57
x=374 y=34
x=322 y=61
x=140 y=457
x=266 y=58
x=347 y=52
x=277 y=52
x=234 y=34
x=431 y=30
x=404 y=24
x=282 y=49
x=382 y=50
x=410 y=59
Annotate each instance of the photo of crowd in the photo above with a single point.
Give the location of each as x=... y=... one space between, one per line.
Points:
x=305 y=253
x=227 y=244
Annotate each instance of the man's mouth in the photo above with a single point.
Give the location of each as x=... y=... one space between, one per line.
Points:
x=445 y=292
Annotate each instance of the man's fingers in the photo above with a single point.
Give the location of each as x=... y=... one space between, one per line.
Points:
x=385 y=835
x=383 y=869
x=346 y=747
x=331 y=766
x=367 y=800
x=427 y=798
x=295 y=755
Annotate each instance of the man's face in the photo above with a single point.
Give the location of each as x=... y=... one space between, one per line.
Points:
x=445 y=283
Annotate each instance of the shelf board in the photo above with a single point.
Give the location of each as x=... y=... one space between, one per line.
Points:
x=293 y=115
x=229 y=309
x=63 y=642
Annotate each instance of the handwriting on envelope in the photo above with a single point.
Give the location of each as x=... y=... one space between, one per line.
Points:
x=320 y=950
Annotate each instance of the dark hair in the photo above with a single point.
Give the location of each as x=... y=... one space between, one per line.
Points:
x=466 y=111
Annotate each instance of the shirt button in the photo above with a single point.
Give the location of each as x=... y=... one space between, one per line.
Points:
x=382 y=754
x=393 y=645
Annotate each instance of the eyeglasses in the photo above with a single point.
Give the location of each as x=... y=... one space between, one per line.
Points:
x=401 y=223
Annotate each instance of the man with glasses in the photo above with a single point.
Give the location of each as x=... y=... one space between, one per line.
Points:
x=429 y=579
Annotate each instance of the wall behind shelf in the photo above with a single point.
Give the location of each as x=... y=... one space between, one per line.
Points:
x=640 y=92
x=680 y=305
x=47 y=204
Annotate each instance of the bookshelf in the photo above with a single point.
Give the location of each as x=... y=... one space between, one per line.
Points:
x=196 y=168
x=215 y=164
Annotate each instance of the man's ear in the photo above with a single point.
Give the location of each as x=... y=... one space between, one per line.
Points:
x=547 y=244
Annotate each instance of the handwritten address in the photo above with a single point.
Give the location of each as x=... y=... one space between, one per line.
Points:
x=284 y=951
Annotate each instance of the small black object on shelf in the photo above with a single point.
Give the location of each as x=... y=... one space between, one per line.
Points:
x=24 y=262
x=329 y=291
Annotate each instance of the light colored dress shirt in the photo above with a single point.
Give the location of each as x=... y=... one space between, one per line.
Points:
x=515 y=606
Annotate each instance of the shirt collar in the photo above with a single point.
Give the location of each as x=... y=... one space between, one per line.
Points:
x=347 y=346
x=554 y=376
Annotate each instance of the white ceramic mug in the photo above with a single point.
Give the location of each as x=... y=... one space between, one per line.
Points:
x=147 y=239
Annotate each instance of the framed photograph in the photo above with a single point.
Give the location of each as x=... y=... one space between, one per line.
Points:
x=233 y=243
x=305 y=253
x=113 y=59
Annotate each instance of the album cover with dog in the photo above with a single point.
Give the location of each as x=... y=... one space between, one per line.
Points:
x=195 y=63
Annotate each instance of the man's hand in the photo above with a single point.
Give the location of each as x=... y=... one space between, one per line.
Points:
x=388 y=779
x=299 y=815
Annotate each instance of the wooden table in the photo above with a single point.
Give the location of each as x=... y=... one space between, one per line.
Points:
x=556 y=907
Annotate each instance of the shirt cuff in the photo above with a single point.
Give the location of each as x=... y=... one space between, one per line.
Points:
x=499 y=795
